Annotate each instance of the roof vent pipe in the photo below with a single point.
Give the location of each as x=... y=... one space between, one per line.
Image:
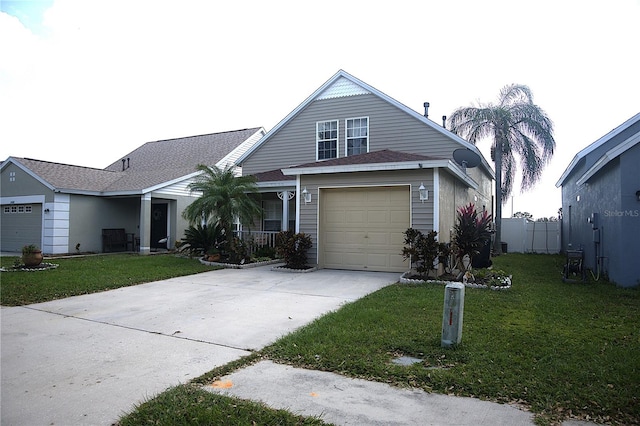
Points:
x=123 y=160
x=426 y=109
x=444 y=121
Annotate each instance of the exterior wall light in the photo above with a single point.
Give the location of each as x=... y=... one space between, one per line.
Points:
x=638 y=195
x=306 y=195
x=424 y=193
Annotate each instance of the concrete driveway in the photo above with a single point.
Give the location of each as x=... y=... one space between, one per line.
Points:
x=89 y=359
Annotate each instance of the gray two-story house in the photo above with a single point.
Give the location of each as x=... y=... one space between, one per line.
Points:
x=354 y=168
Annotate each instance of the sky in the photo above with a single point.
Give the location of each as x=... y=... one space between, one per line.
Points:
x=86 y=82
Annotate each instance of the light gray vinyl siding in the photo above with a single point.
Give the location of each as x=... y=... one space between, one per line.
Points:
x=421 y=213
x=389 y=128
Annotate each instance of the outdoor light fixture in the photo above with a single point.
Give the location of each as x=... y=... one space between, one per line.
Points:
x=306 y=195
x=424 y=193
x=638 y=195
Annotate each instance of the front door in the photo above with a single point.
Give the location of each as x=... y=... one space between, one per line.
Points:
x=159 y=226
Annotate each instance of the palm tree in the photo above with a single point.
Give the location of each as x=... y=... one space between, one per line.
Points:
x=225 y=196
x=516 y=126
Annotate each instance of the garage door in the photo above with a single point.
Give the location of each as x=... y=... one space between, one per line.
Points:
x=21 y=225
x=362 y=228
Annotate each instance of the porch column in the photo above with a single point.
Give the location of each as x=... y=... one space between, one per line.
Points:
x=145 y=224
x=285 y=196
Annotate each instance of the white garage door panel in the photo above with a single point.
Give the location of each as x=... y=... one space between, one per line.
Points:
x=362 y=228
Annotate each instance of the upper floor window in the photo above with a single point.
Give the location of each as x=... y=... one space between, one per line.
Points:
x=357 y=138
x=327 y=139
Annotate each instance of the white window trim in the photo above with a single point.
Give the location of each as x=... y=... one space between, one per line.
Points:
x=337 y=139
x=346 y=140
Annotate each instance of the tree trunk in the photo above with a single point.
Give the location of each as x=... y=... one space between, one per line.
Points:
x=497 y=244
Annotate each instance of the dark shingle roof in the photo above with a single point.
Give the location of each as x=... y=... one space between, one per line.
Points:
x=272 y=176
x=153 y=163
x=161 y=161
x=66 y=176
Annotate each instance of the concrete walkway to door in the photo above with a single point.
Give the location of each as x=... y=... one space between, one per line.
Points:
x=88 y=359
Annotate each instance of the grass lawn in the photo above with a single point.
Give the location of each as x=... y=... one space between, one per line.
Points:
x=561 y=349
x=90 y=274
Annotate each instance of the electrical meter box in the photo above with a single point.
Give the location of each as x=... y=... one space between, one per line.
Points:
x=452 y=315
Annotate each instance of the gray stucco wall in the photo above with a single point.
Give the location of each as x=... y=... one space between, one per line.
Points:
x=88 y=215
x=610 y=194
x=22 y=184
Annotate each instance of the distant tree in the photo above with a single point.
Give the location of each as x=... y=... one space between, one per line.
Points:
x=525 y=215
x=225 y=196
x=516 y=126
x=548 y=219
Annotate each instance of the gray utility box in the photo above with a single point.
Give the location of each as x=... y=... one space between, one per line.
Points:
x=452 y=315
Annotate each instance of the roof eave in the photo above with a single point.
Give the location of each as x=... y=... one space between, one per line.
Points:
x=28 y=171
x=449 y=165
x=592 y=146
x=370 y=167
x=607 y=157
x=276 y=184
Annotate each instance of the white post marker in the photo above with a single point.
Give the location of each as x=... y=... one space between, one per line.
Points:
x=452 y=315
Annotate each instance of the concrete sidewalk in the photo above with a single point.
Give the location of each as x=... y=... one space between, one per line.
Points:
x=343 y=401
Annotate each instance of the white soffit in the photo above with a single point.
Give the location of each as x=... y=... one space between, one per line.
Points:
x=341 y=88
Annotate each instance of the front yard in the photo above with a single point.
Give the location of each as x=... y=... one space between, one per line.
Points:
x=562 y=350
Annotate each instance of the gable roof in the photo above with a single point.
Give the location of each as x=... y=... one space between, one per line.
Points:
x=152 y=165
x=607 y=157
x=344 y=84
x=57 y=176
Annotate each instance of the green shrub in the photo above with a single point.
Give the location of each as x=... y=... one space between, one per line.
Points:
x=293 y=249
x=200 y=239
x=423 y=250
x=238 y=251
x=265 y=251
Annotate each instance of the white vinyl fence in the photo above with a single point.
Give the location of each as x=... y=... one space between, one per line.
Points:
x=523 y=236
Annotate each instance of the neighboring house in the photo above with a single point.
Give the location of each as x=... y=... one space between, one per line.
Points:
x=346 y=167
x=601 y=204
x=63 y=208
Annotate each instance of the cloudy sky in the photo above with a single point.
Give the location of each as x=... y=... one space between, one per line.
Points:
x=86 y=82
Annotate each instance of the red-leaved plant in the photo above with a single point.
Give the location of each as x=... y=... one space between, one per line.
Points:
x=470 y=234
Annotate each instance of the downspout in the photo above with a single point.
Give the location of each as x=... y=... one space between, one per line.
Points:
x=297 y=204
x=436 y=201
